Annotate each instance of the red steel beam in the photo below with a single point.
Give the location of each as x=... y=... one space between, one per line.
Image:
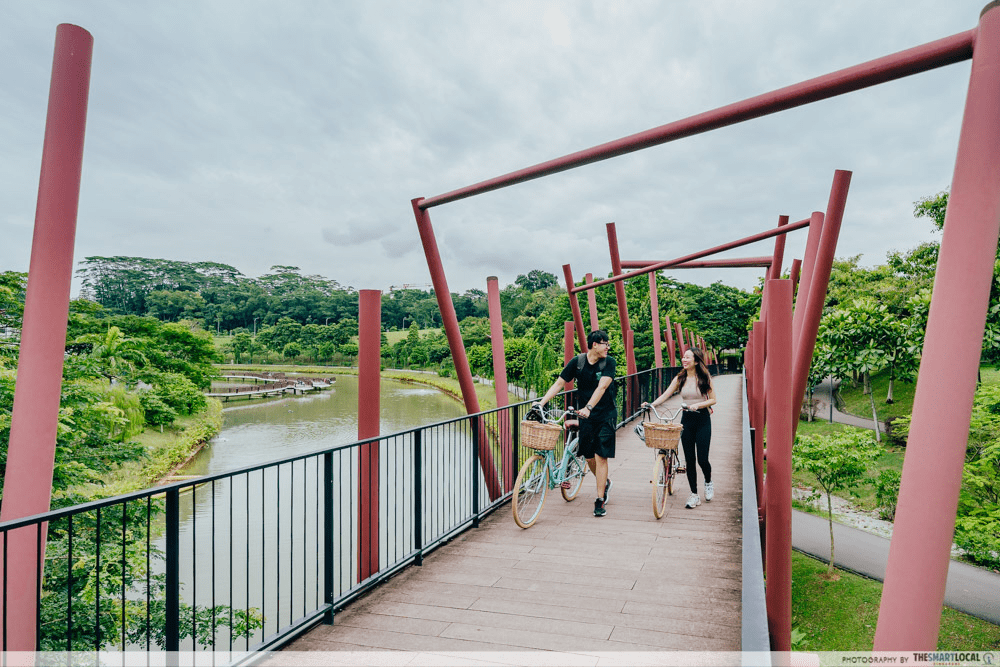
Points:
x=595 y=322
x=32 y=443
x=449 y=321
x=932 y=55
x=741 y=262
x=369 y=368
x=910 y=611
x=779 y=250
x=777 y=376
x=616 y=269
x=574 y=306
x=500 y=378
x=812 y=244
x=654 y=311
x=803 y=349
x=697 y=255
x=668 y=335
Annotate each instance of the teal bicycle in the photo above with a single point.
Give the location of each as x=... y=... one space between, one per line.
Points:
x=543 y=432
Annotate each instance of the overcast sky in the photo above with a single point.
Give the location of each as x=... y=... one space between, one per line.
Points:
x=296 y=133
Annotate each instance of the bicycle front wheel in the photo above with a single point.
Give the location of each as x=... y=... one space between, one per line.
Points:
x=662 y=483
x=576 y=470
x=529 y=490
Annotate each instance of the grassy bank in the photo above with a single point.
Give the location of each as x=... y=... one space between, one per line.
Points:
x=449 y=385
x=165 y=451
x=841 y=615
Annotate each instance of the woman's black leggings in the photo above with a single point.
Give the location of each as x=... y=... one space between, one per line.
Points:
x=696 y=436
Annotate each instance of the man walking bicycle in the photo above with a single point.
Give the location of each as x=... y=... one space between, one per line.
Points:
x=594 y=372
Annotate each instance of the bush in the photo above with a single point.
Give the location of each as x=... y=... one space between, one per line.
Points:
x=887 y=493
x=979 y=537
x=179 y=393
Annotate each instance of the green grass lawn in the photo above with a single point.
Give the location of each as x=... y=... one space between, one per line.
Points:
x=841 y=615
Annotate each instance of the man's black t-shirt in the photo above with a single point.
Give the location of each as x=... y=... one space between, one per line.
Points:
x=587 y=379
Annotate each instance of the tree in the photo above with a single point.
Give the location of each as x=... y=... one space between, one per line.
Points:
x=291 y=350
x=536 y=280
x=241 y=344
x=115 y=354
x=838 y=462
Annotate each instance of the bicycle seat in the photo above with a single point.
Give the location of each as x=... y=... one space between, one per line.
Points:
x=571 y=424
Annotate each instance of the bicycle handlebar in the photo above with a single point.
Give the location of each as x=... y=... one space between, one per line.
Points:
x=670 y=418
x=551 y=416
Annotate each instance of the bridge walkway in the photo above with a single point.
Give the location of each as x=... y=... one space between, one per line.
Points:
x=583 y=589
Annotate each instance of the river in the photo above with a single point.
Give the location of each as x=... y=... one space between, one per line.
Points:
x=259 y=533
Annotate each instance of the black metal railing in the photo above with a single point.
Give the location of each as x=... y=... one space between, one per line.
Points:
x=246 y=560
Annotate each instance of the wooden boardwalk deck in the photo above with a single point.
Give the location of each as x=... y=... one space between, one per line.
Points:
x=573 y=589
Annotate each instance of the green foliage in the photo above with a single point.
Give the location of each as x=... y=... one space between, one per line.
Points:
x=887 y=493
x=838 y=462
x=934 y=207
x=156 y=412
x=179 y=393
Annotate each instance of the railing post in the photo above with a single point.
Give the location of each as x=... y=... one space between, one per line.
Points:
x=173 y=590
x=418 y=497
x=477 y=430
x=515 y=431
x=328 y=559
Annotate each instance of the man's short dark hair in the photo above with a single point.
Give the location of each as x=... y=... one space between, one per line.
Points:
x=597 y=336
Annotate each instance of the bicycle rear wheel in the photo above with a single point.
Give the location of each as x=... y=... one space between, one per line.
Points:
x=576 y=470
x=529 y=490
x=662 y=483
x=673 y=467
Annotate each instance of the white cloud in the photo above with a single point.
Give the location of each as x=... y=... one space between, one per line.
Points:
x=259 y=134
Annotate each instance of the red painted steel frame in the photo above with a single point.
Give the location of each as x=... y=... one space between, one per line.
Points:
x=749 y=262
x=654 y=310
x=803 y=348
x=812 y=244
x=616 y=269
x=779 y=250
x=369 y=370
x=932 y=55
x=698 y=255
x=779 y=464
x=681 y=347
x=668 y=335
x=932 y=470
x=500 y=378
x=31 y=449
x=450 y=322
x=568 y=351
x=595 y=322
x=574 y=306
x=758 y=333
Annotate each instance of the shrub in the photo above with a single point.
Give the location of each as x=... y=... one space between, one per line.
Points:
x=887 y=493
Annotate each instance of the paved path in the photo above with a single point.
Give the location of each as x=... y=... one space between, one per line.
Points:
x=573 y=589
x=821 y=393
x=969 y=589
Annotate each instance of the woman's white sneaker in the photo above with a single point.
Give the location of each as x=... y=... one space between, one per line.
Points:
x=709 y=491
x=693 y=501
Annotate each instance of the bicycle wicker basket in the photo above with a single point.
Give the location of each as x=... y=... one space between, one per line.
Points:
x=662 y=436
x=540 y=436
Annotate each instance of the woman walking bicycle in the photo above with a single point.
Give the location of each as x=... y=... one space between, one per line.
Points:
x=694 y=383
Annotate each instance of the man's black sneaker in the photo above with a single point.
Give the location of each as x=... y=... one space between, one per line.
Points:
x=599 y=507
x=607 y=487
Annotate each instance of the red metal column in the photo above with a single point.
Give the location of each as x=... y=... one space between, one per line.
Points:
x=595 y=322
x=574 y=306
x=631 y=396
x=616 y=269
x=654 y=309
x=31 y=449
x=681 y=347
x=450 y=322
x=809 y=261
x=500 y=378
x=369 y=375
x=778 y=373
x=932 y=470
x=759 y=346
x=794 y=275
x=670 y=342
x=803 y=348
x=568 y=351
x=779 y=250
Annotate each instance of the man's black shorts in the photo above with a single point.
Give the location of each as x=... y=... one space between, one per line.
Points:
x=597 y=436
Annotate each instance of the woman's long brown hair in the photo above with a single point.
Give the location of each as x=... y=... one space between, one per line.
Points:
x=701 y=370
